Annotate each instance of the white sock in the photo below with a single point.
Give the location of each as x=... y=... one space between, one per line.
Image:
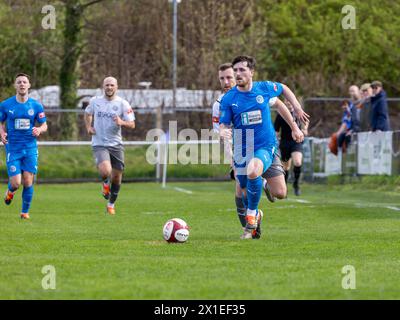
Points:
x=252 y=212
x=110 y=205
x=264 y=182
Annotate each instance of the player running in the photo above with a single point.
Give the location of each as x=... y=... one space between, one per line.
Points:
x=109 y=113
x=247 y=107
x=290 y=149
x=273 y=186
x=18 y=116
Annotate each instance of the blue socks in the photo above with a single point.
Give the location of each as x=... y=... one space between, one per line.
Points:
x=254 y=189
x=27 y=195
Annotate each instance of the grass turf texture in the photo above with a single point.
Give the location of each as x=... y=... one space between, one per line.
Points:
x=300 y=256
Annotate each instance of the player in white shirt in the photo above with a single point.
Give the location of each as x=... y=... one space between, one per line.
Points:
x=104 y=117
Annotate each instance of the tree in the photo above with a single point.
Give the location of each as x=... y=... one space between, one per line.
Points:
x=26 y=46
x=69 y=72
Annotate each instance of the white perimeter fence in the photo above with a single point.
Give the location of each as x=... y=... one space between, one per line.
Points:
x=369 y=153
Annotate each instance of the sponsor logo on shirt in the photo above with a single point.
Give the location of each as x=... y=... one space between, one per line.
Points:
x=102 y=114
x=22 y=124
x=275 y=87
x=215 y=119
x=129 y=111
x=251 y=117
x=260 y=99
x=41 y=115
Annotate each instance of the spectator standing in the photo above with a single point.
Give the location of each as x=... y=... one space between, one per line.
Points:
x=365 y=113
x=380 y=114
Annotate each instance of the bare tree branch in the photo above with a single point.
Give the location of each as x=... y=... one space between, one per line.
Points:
x=83 y=6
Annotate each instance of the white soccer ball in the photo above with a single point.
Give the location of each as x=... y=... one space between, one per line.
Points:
x=176 y=230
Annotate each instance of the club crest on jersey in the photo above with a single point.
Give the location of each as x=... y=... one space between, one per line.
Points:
x=260 y=99
x=31 y=112
x=115 y=108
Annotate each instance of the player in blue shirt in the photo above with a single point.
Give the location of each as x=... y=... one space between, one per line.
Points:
x=246 y=106
x=18 y=132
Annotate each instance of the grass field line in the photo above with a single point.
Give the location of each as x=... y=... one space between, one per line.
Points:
x=299 y=200
x=183 y=190
x=389 y=206
x=393 y=208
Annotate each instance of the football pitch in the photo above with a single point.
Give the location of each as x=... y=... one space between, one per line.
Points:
x=306 y=242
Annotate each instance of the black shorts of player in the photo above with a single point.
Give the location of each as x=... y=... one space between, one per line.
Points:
x=287 y=148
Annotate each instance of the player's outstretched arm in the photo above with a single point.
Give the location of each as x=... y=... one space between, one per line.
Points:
x=225 y=132
x=3 y=133
x=122 y=123
x=304 y=127
x=37 y=131
x=88 y=118
x=297 y=134
x=289 y=95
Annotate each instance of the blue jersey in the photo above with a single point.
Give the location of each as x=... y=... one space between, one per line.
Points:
x=250 y=110
x=20 y=119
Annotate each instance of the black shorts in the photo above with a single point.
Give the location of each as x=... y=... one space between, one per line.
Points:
x=287 y=148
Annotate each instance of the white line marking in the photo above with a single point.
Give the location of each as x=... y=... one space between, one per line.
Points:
x=393 y=208
x=297 y=200
x=302 y=201
x=158 y=212
x=151 y=212
x=183 y=190
x=370 y=205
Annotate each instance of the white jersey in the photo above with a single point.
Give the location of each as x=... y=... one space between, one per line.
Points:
x=108 y=133
x=215 y=113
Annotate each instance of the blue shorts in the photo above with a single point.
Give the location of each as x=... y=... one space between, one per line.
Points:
x=19 y=161
x=266 y=155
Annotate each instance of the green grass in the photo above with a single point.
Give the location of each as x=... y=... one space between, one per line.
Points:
x=300 y=255
x=77 y=162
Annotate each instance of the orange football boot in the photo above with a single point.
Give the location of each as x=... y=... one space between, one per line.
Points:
x=8 y=197
x=110 y=210
x=25 y=216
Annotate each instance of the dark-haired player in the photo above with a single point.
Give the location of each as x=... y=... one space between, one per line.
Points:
x=291 y=150
x=246 y=106
x=18 y=116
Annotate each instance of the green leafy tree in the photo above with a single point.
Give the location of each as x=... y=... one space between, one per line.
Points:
x=69 y=73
